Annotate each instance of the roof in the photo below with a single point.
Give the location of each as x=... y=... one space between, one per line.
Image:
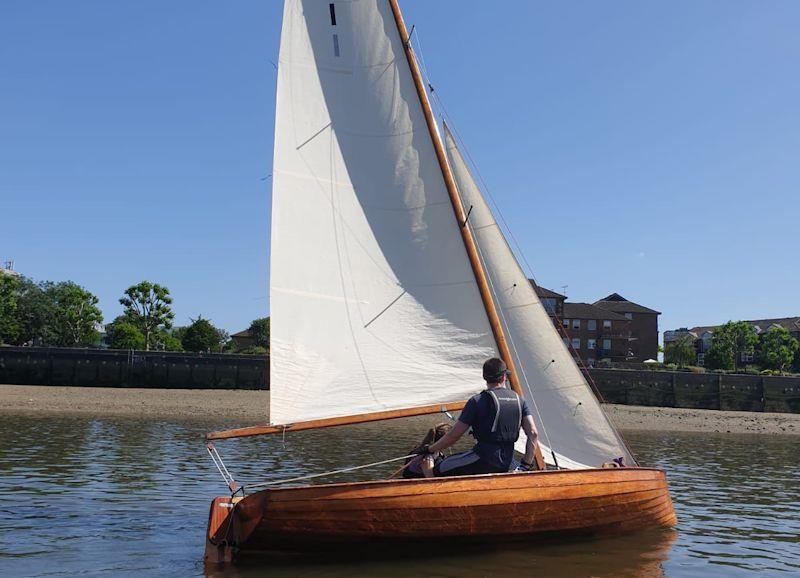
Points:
x=589 y=311
x=616 y=302
x=243 y=333
x=544 y=292
x=789 y=323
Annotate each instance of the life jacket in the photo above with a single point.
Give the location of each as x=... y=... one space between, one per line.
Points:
x=506 y=419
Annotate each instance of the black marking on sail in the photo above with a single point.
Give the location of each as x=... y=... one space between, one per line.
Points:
x=333 y=13
x=336 y=45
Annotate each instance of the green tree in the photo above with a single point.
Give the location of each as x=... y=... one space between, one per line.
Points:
x=259 y=329
x=9 y=285
x=681 y=352
x=122 y=334
x=75 y=315
x=728 y=344
x=35 y=312
x=167 y=341
x=777 y=349
x=147 y=307
x=201 y=336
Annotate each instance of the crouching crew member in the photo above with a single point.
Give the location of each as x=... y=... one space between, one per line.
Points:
x=495 y=416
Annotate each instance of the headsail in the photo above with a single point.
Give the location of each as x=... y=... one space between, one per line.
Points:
x=566 y=409
x=374 y=305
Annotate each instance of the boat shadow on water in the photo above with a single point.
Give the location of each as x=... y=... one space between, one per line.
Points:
x=642 y=554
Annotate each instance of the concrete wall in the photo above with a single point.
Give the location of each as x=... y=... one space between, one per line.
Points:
x=113 y=368
x=699 y=390
x=118 y=368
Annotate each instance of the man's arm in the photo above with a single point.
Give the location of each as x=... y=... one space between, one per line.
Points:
x=450 y=437
x=530 y=446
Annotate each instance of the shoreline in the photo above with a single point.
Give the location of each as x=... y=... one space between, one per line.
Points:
x=250 y=406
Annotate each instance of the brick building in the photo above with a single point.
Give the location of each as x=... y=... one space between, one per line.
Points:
x=643 y=325
x=613 y=328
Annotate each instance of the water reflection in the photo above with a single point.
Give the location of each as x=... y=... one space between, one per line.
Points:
x=130 y=497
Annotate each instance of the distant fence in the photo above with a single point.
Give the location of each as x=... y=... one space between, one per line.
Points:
x=159 y=369
x=699 y=390
x=122 y=368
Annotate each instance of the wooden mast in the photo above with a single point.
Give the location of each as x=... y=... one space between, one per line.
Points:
x=455 y=199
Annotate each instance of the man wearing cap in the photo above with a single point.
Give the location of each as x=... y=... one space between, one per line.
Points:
x=495 y=416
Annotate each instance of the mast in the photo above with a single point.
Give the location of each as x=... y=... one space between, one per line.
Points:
x=458 y=209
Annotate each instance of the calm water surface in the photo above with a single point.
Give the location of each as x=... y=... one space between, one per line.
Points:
x=129 y=497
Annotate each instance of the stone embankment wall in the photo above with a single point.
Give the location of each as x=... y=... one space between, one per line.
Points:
x=121 y=368
x=699 y=390
x=157 y=369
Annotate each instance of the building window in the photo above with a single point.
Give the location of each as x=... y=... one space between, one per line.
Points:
x=576 y=323
x=747 y=356
x=607 y=344
x=566 y=341
x=549 y=305
x=565 y=323
x=629 y=316
x=606 y=324
x=576 y=343
x=591 y=344
x=701 y=359
x=592 y=324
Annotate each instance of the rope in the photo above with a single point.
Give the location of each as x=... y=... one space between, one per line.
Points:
x=329 y=473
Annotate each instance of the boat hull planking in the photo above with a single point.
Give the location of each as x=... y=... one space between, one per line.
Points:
x=479 y=508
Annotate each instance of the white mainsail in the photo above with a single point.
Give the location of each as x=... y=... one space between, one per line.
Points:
x=374 y=305
x=565 y=409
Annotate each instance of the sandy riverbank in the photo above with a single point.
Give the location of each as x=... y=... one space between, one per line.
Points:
x=251 y=407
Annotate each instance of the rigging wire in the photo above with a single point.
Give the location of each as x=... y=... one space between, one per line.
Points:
x=328 y=473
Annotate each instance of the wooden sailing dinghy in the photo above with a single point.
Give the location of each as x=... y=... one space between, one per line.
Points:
x=386 y=298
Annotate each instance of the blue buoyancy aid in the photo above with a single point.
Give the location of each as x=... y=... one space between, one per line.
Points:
x=506 y=419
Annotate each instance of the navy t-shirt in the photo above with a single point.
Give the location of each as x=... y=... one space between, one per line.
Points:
x=480 y=409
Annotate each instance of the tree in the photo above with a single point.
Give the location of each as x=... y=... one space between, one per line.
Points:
x=167 y=341
x=201 y=336
x=728 y=344
x=681 y=352
x=35 y=312
x=8 y=308
x=122 y=334
x=259 y=330
x=147 y=307
x=75 y=315
x=777 y=349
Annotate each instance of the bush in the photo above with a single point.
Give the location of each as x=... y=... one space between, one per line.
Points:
x=696 y=369
x=254 y=350
x=671 y=366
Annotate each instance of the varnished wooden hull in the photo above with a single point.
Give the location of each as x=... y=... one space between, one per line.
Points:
x=488 y=507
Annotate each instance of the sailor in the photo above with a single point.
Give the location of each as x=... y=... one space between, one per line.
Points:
x=495 y=416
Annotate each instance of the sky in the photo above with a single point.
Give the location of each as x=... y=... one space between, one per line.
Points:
x=646 y=148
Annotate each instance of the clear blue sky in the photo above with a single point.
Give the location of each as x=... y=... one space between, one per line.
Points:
x=647 y=148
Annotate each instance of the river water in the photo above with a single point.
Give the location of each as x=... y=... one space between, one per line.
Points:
x=115 y=496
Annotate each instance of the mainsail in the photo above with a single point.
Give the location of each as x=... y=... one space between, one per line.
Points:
x=374 y=305
x=565 y=409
